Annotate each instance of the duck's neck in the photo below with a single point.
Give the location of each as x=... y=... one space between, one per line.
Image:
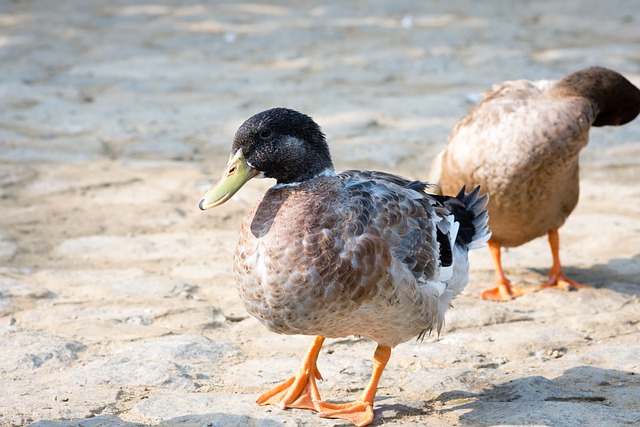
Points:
x=616 y=100
x=326 y=172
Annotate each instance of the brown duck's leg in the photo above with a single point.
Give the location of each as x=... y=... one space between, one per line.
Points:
x=504 y=290
x=299 y=391
x=557 y=278
x=360 y=412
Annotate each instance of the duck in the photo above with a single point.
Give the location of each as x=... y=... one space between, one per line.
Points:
x=521 y=144
x=334 y=254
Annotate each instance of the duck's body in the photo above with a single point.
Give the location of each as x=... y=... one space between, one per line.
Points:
x=347 y=254
x=521 y=143
x=337 y=254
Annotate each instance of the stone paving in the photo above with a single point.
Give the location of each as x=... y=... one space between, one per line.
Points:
x=117 y=302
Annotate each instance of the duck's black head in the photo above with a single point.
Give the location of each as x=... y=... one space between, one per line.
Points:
x=277 y=143
x=283 y=144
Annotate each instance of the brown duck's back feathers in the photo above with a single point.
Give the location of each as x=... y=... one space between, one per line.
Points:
x=521 y=143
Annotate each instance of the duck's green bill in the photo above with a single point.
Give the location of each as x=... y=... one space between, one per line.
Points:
x=237 y=173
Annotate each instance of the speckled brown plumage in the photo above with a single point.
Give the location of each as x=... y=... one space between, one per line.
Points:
x=343 y=255
x=522 y=142
x=337 y=254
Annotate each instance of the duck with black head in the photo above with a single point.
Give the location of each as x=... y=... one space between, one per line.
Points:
x=333 y=254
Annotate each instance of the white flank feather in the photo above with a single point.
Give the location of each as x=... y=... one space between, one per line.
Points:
x=453 y=226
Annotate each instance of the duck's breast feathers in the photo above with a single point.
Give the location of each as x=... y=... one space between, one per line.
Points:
x=319 y=247
x=301 y=208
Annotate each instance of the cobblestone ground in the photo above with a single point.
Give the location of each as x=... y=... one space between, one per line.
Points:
x=117 y=303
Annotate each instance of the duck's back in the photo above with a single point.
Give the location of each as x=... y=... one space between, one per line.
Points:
x=342 y=255
x=521 y=144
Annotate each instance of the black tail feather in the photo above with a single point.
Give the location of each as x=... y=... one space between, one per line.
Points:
x=469 y=209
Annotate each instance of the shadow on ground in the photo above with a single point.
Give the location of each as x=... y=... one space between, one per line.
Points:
x=197 y=420
x=618 y=274
x=582 y=396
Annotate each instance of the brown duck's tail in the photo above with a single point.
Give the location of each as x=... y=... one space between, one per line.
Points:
x=617 y=100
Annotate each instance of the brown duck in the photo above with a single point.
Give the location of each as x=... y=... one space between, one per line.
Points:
x=332 y=254
x=521 y=144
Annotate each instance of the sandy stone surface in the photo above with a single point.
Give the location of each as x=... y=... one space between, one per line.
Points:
x=117 y=302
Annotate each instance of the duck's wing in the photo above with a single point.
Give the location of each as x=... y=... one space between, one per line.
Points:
x=421 y=229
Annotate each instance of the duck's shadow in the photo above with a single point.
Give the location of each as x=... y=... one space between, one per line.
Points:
x=216 y=419
x=618 y=274
x=387 y=412
x=583 y=395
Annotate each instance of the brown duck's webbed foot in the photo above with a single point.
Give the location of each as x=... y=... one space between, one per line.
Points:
x=557 y=278
x=561 y=282
x=504 y=290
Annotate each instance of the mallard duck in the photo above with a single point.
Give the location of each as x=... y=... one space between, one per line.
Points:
x=333 y=254
x=521 y=143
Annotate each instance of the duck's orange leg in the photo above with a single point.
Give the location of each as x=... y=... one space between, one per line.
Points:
x=360 y=412
x=557 y=279
x=299 y=391
x=504 y=290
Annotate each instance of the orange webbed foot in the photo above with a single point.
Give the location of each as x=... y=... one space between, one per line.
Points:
x=359 y=412
x=557 y=279
x=299 y=391
x=562 y=282
x=504 y=291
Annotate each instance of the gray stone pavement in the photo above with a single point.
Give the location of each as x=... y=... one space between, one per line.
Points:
x=117 y=302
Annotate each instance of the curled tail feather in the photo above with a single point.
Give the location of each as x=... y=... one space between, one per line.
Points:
x=473 y=218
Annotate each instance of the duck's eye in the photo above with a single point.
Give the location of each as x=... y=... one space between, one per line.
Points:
x=265 y=133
